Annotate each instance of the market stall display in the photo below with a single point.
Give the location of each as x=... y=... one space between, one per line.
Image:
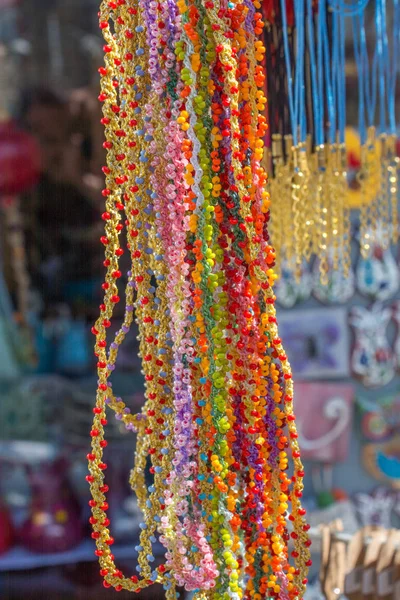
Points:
x=235 y=180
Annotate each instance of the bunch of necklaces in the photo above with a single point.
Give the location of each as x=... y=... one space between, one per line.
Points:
x=217 y=473
x=308 y=88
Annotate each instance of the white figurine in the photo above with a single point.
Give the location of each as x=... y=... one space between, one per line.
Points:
x=293 y=287
x=338 y=288
x=377 y=275
x=372 y=358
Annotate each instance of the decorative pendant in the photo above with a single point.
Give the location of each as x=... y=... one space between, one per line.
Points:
x=372 y=358
x=382 y=461
x=294 y=284
x=377 y=275
x=338 y=288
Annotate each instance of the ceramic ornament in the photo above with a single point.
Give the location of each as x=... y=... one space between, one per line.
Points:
x=377 y=276
x=53 y=523
x=372 y=358
x=317 y=342
x=380 y=417
x=324 y=419
x=374 y=427
x=293 y=286
x=382 y=461
x=339 y=286
x=337 y=411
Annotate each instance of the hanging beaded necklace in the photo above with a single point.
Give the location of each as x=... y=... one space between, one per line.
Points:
x=183 y=95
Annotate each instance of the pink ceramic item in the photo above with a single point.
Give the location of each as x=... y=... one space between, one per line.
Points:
x=324 y=414
x=54 y=523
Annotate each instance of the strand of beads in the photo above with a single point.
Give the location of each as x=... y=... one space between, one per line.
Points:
x=182 y=91
x=124 y=181
x=180 y=532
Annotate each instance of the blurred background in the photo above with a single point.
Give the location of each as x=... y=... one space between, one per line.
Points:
x=343 y=341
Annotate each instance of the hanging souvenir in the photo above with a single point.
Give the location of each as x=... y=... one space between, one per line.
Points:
x=380 y=418
x=372 y=359
x=324 y=416
x=317 y=342
x=293 y=285
x=310 y=152
x=382 y=461
x=338 y=286
x=380 y=425
x=374 y=426
x=377 y=275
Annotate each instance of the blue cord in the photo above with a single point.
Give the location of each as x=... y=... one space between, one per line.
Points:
x=327 y=69
x=342 y=80
x=289 y=72
x=357 y=53
x=386 y=63
x=335 y=57
x=296 y=92
x=392 y=78
x=317 y=100
x=381 y=64
x=370 y=89
x=302 y=117
x=297 y=85
x=320 y=78
x=338 y=73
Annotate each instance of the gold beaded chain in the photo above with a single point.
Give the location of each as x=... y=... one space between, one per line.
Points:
x=124 y=150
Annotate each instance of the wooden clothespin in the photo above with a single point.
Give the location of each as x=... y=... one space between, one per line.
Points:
x=333 y=559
